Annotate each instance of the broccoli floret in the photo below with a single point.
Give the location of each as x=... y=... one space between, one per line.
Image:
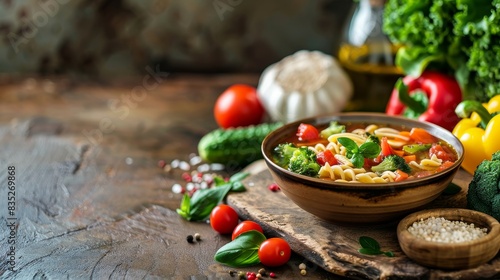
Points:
x=373 y=138
x=283 y=152
x=392 y=163
x=303 y=161
x=484 y=189
x=334 y=128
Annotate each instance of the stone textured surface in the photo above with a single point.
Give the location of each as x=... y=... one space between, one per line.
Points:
x=122 y=37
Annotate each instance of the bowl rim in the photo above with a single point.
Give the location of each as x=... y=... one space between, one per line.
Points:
x=492 y=225
x=345 y=117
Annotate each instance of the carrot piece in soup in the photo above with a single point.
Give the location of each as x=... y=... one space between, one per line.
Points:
x=421 y=135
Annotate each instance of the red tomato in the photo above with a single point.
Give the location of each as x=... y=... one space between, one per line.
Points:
x=326 y=156
x=307 y=132
x=223 y=219
x=442 y=152
x=237 y=106
x=244 y=227
x=274 y=252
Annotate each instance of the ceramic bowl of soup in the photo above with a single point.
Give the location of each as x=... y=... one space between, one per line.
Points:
x=346 y=190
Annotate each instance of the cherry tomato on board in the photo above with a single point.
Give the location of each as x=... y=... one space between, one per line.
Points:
x=274 y=252
x=244 y=227
x=307 y=132
x=223 y=219
x=237 y=106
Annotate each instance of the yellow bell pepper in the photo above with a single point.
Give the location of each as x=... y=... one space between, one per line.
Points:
x=478 y=130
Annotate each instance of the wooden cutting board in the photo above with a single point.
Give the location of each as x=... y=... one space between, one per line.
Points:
x=335 y=247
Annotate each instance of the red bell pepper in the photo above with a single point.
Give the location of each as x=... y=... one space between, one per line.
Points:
x=432 y=97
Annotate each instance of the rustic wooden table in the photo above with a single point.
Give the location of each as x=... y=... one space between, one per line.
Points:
x=89 y=199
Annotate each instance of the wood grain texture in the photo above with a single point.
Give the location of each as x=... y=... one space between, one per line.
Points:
x=91 y=201
x=335 y=247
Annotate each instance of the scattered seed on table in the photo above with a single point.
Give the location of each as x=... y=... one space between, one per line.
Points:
x=302 y=266
x=303 y=272
x=190 y=238
x=272 y=274
x=262 y=271
x=129 y=160
x=161 y=163
x=177 y=188
x=197 y=236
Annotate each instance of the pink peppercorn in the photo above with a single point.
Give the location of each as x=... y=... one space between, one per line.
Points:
x=272 y=274
x=274 y=187
x=187 y=177
x=162 y=163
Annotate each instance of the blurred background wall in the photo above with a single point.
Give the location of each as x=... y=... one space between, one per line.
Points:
x=122 y=37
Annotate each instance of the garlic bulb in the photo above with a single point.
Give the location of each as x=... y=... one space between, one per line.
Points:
x=302 y=85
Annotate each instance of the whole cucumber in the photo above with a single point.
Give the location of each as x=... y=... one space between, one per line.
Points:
x=235 y=147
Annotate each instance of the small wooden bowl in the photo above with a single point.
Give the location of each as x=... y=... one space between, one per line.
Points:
x=451 y=255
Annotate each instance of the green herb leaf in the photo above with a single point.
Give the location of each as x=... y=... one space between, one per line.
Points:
x=389 y=254
x=369 y=243
x=368 y=251
x=357 y=160
x=242 y=251
x=238 y=187
x=238 y=176
x=349 y=144
x=185 y=207
x=370 y=246
x=199 y=206
x=357 y=154
x=370 y=149
x=219 y=181
x=202 y=202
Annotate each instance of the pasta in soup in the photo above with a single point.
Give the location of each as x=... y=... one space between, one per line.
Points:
x=364 y=153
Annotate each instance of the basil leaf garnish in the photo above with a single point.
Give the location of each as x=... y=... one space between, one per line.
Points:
x=242 y=251
x=370 y=246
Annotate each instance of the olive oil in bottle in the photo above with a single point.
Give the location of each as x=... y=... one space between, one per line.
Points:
x=367 y=55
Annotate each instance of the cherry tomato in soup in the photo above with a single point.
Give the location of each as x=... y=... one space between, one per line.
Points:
x=274 y=252
x=442 y=152
x=223 y=219
x=238 y=106
x=307 y=132
x=244 y=227
x=326 y=156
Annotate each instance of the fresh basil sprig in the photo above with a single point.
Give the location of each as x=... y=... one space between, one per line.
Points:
x=370 y=246
x=199 y=206
x=234 y=181
x=242 y=251
x=357 y=154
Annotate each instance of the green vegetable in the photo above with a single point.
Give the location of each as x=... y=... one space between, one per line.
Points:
x=199 y=206
x=242 y=251
x=484 y=189
x=235 y=147
x=415 y=148
x=300 y=160
x=392 y=163
x=373 y=138
x=458 y=37
x=357 y=154
x=303 y=161
x=370 y=246
x=334 y=128
x=282 y=154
